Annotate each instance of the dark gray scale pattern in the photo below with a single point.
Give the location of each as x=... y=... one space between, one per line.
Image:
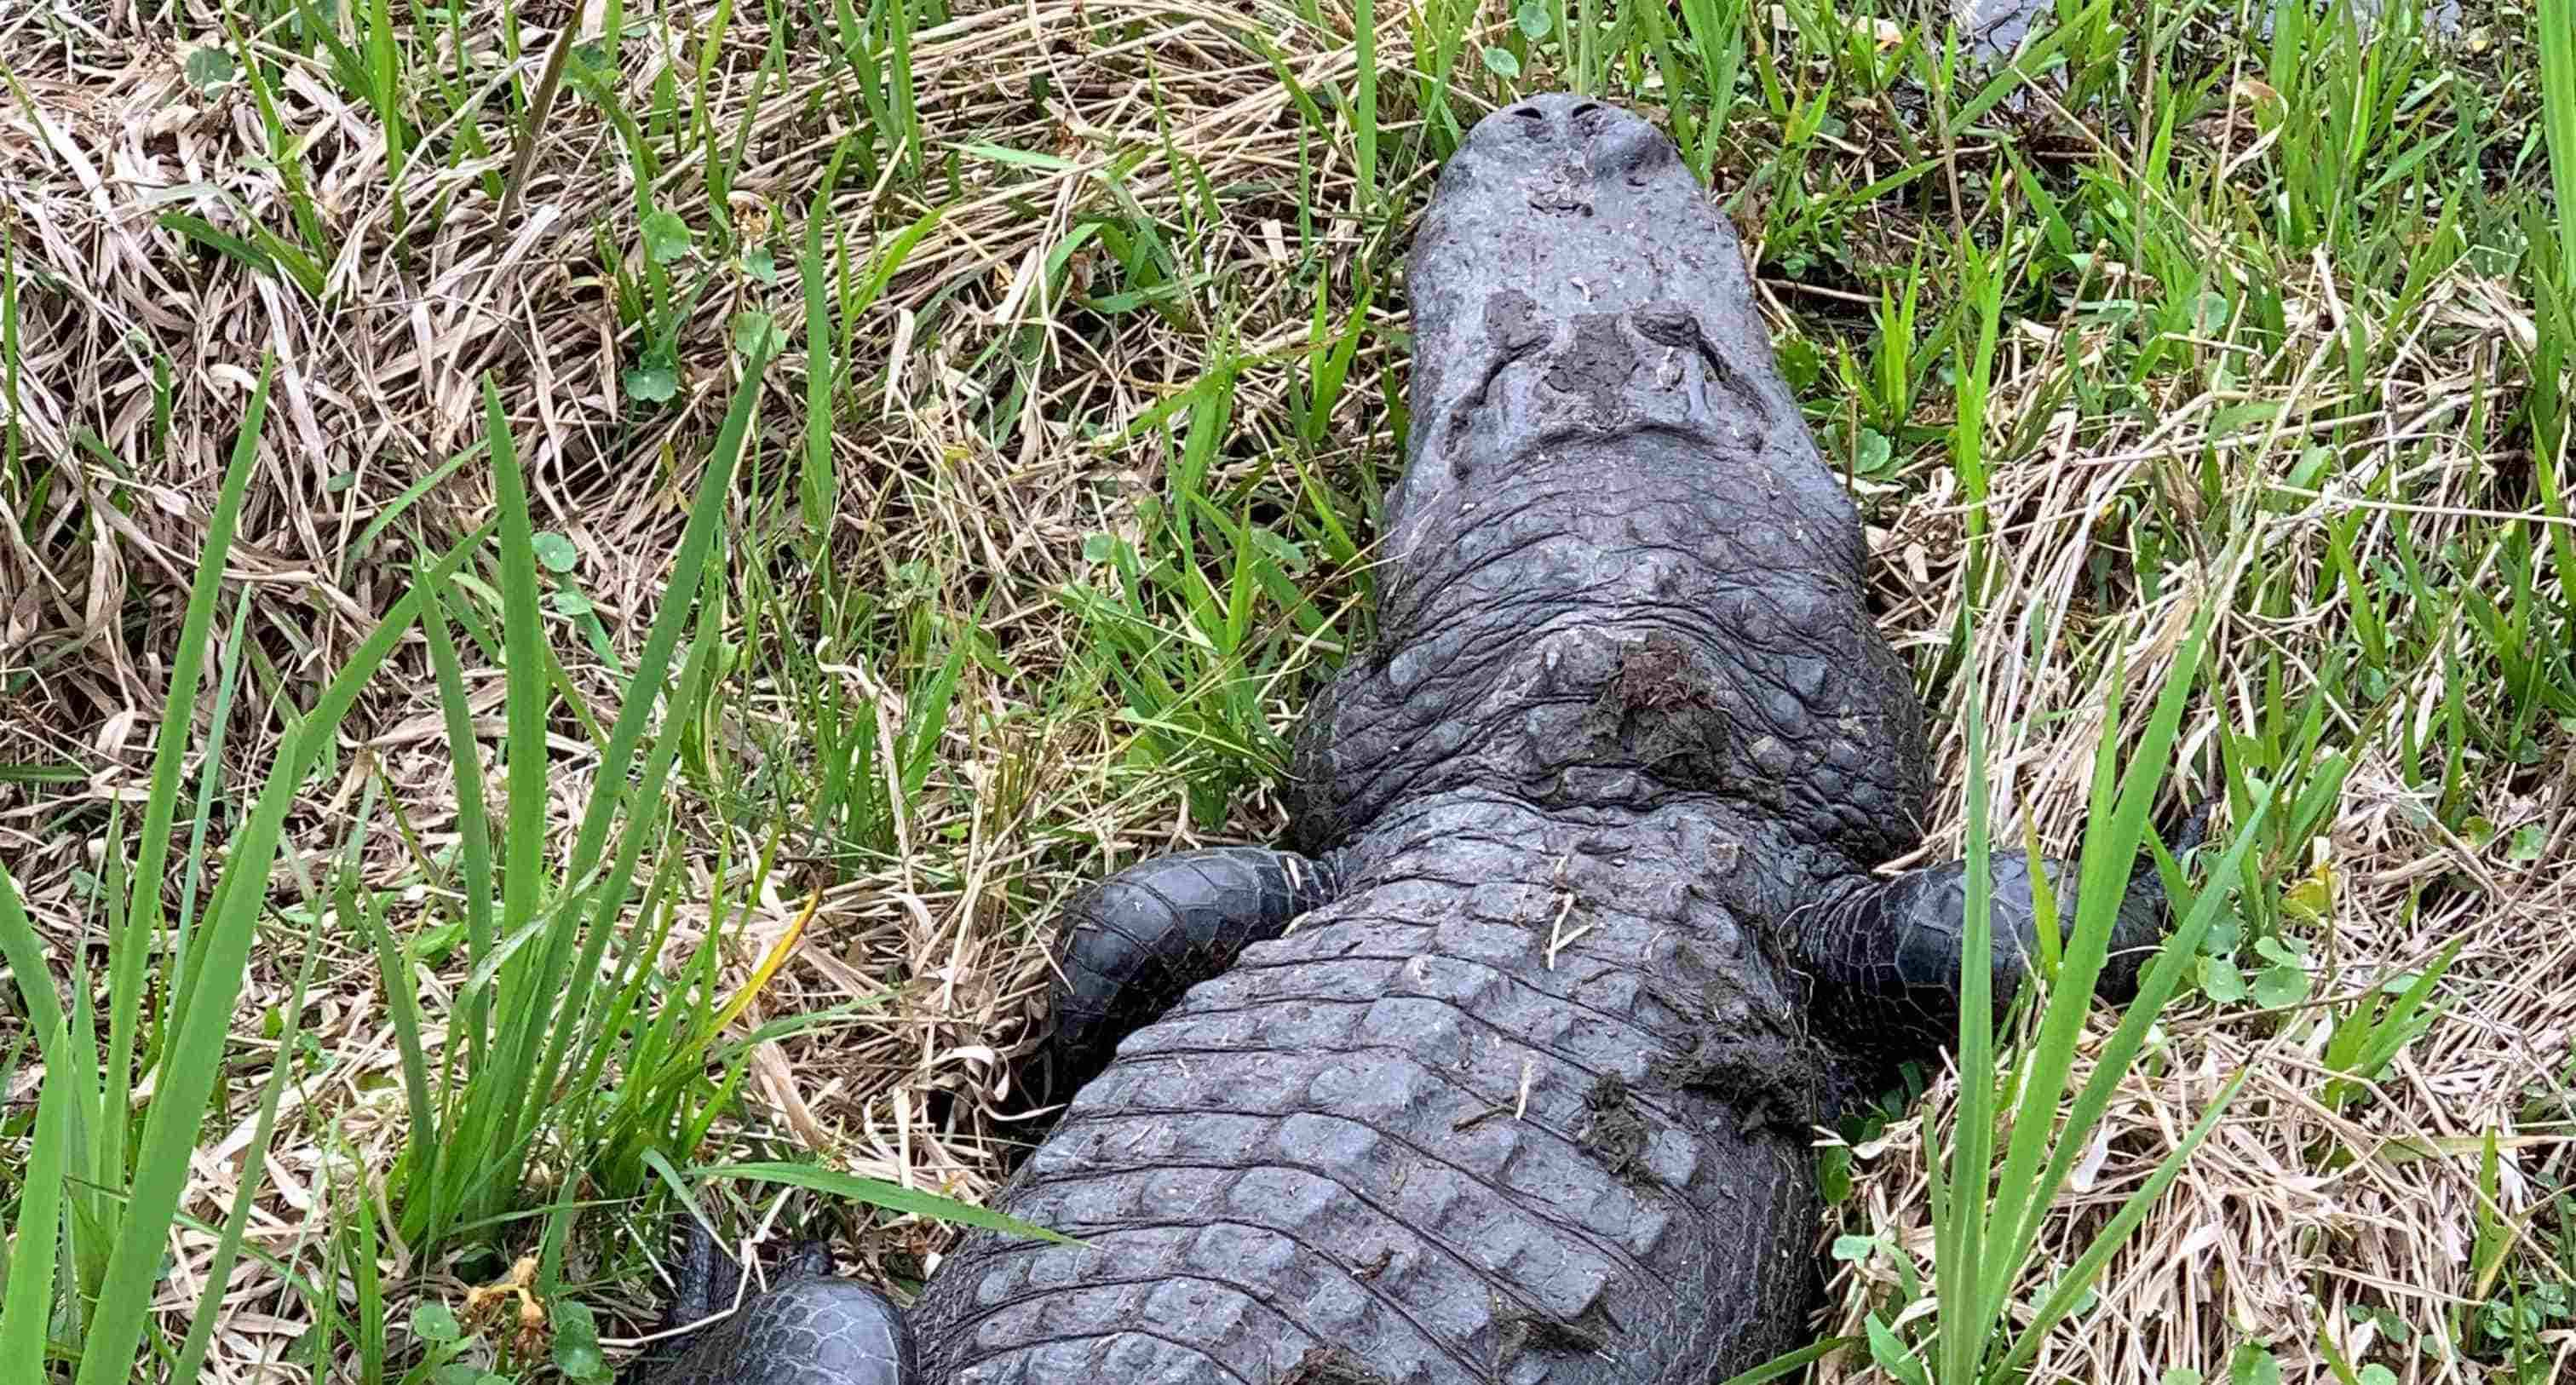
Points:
x=1327 y=1146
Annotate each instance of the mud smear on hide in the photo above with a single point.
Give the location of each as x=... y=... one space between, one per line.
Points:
x=1588 y=1335
x=1616 y=1134
x=1761 y=1063
x=1662 y=711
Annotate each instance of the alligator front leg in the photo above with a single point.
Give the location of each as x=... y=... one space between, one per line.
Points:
x=809 y=1329
x=1140 y=939
x=1884 y=954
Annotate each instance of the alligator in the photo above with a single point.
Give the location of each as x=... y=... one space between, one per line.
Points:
x=1504 y=1066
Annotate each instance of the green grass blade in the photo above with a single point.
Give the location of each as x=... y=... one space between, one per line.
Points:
x=2115 y=831
x=2087 y=1267
x=473 y=814
x=876 y=1192
x=528 y=986
x=820 y=489
x=436 y=1185
x=228 y=1241
x=34 y=1235
x=402 y=1001
x=1364 y=103
x=2557 y=33
x=192 y=872
x=1791 y=1362
x=178 y=715
x=1960 y=1227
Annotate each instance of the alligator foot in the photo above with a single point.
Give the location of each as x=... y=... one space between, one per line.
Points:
x=1884 y=954
x=808 y=1329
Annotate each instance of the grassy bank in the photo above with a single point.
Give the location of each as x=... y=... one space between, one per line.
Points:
x=726 y=515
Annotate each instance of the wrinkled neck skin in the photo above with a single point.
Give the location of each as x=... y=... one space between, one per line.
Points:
x=1621 y=581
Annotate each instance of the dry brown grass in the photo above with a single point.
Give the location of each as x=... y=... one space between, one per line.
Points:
x=377 y=384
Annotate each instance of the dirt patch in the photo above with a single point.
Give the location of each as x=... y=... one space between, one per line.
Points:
x=1661 y=710
x=1741 y=1052
x=1776 y=1085
x=1616 y=1134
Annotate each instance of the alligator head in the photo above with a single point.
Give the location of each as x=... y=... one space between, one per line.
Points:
x=1573 y=284
x=1610 y=489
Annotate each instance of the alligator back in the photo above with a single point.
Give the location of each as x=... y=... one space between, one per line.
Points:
x=1521 y=1106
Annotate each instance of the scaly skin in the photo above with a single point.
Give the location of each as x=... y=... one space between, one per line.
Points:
x=807 y=1329
x=1146 y=934
x=1505 y=1073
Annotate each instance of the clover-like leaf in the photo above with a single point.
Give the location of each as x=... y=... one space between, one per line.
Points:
x=666 y=236
x=210 y=69
x=555 y=552
x=2281 y=985
x=652 y=384
x=2221 y=981
x=433 y=1321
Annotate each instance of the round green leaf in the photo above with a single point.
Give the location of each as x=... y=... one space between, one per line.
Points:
x=666 y=236
x=2221 y=981
x=652 y=384
x=2281 y=985
x=756 y=331
x=576 y=1347
x=555 y=552
x=1871 y=452
x=209 y=69
x=433 y=1321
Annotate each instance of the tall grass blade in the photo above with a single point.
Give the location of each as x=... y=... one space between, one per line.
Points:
x=29 y=1300
x=2557 y=29
x=178 y=710
x=1364 y=102
x=1960 y=1226
x=528 y=985
x=2115 y=831
x=228 y=1241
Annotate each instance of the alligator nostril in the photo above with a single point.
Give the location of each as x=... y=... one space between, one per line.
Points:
x=1585 y=109
x=1637 y=151
x=1529 y=113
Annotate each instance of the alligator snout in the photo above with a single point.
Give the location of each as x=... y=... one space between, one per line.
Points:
x=1574 y=143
